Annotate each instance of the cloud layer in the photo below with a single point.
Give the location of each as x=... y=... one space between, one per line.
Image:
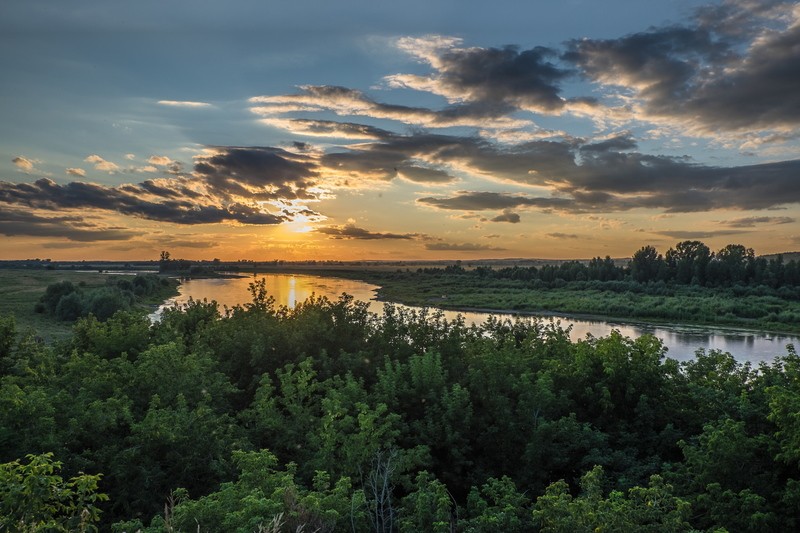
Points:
x=467 y=138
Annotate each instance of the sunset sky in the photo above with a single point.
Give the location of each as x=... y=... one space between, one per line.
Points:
x=383 y=130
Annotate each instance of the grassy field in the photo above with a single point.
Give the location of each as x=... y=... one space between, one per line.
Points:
x=20 y=289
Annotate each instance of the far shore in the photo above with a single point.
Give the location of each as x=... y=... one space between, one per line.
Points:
x=363 y=274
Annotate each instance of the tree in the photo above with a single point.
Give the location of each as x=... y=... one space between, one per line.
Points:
x=643 y=509
x=688 y=262
x=34 y=497
x=430 y=507
x=732 y=261
x=8 y=332
x=646 y=264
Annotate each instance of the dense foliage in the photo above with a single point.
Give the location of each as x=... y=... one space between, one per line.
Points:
x=689 y=263
x=67 y=301
x=331 y=418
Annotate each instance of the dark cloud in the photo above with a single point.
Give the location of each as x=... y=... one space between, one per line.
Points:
x=47 y=194
x=462 y=247
x=388 y=160
x=369 y=162
x=507 y=216
x=329 y=128
x=751 y=222
x=226 y=187
x=74 y=228
x=603 y=179
x=701 y=234
x=722 y=72
x=558 y=235
x=616 y=143
x=481 y=201
x=500 y=79
x=353 y=232
x=261 y=173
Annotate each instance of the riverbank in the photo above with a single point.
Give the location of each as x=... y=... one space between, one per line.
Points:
x=748 y=309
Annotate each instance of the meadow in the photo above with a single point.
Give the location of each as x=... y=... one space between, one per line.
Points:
x=22 y=289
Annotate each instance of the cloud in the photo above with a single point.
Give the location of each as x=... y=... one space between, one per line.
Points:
x=677 y=234
x=462 y=247
x=15 y=222
x=350 y=231
x=733 y=68
x=492 y=80
x=23 y=162
x=558 y=235
x=183 y=103
x=750 y=222
x=507 y=216
x=228 y=184
x=101 y=164
x=160 y=160
x=183 y=241
x=726 y=68
x=79 y=172
x=344 y=101
x=602 y=179
x=257 y=173
x=481 y=201
x=327 y=128
x=420 y=174
x=401 y=156
x=172 y=206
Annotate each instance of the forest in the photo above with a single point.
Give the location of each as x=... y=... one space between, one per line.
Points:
x=329 y=418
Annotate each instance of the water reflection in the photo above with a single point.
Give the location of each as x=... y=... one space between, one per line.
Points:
x=291 y=300
x=682 y=341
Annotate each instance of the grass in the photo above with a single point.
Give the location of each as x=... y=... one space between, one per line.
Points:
x=686 y=305
x=20 y=289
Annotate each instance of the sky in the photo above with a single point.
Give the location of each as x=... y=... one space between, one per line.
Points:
x=352 y=130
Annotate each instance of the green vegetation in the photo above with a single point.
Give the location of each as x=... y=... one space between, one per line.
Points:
x=66 y=301
x=329 y=418
x=32 y=296
x=756 y=307
x=692 y=285
x=33 y=497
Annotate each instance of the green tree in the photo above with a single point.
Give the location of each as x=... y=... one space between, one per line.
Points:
x=646 y=264
x=652 y=509
x=34 y=497
x=263 y=497
x=8 y=334
x=688 y=262
x=429 y=507
x=497 y=506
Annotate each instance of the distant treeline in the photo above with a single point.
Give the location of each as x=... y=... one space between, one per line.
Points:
x=68 y=301
x=689 y=263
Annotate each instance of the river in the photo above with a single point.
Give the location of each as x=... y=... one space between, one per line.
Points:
x=682 y=341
